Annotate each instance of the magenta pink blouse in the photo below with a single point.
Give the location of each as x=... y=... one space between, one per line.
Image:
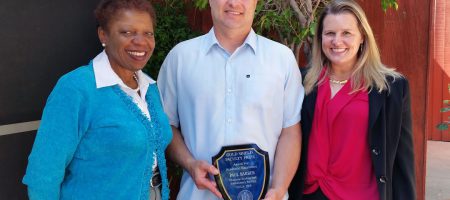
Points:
x=338 y=153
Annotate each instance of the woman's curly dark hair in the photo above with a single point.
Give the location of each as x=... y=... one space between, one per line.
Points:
x=107 y=9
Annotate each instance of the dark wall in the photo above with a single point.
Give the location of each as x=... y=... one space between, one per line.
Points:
x=14 y=150
x=40 y=41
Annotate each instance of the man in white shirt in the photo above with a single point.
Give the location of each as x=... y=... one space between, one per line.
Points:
x=229 y=87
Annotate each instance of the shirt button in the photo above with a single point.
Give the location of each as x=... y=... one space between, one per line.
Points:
x=382 y=179
x=376 y=152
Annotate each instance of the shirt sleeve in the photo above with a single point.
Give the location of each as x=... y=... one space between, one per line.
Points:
x=293 y=93
x=167 y=85
x=56 y=141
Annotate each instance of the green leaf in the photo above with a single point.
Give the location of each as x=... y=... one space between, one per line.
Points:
x=442 y=126
x=201 y=4
x=446 y=109
x=259 y=7
x=396 y=5
x=385 y=4
x=312 y=28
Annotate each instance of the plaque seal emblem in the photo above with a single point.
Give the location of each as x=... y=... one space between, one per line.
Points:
x=245 y=195
x=244 y=172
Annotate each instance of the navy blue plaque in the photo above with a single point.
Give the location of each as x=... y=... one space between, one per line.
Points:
x=243 y=172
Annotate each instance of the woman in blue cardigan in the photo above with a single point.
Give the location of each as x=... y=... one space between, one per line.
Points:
x=103 y=131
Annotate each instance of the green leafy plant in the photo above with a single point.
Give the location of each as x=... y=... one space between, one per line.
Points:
x=291 y=22
x=385 y=4
x=444 y=125
x=172 y=27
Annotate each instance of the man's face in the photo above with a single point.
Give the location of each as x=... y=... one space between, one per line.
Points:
x=233 y=14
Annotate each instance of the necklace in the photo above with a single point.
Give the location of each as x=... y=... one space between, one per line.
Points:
x=135 y=77
x=342 y=82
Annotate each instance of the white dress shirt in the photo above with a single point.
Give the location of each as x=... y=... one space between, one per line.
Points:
x=218 y=99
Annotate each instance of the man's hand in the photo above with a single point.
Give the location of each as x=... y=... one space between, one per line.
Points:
x=199 y=171
x=273 y=194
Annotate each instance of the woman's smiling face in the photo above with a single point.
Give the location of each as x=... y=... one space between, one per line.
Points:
x=341 y=39
x=129 y=39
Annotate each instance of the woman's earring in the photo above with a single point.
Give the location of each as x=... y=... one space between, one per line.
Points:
x=361 y=47
x=103 y=45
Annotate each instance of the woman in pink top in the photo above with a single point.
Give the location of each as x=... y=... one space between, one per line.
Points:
x=356 y=117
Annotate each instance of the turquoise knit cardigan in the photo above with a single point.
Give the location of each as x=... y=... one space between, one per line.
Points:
x=95 y=143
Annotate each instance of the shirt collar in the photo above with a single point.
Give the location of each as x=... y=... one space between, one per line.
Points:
x=251 y=40
x=105 y=75
x=211 y=40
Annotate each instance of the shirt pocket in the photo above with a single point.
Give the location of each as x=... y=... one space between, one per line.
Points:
x=260 y=90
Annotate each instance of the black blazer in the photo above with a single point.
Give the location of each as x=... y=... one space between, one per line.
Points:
x=390 y=142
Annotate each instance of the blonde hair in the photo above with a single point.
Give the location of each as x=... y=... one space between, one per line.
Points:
x=368 y=72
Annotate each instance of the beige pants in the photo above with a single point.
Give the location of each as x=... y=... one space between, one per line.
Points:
x=155 y=193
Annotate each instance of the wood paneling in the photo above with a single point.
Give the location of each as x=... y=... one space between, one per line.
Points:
x=403 y=37
x=199 y=20
x=439 y=70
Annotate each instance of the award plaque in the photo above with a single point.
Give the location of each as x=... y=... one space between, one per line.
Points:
x=243 y=172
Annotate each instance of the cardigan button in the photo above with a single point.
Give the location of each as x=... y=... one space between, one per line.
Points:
x=382 y=179
x=376 y=152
